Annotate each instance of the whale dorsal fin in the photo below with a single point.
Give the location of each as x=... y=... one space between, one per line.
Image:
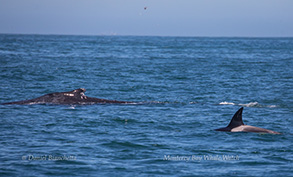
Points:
x=79 y=91
x=76 y=93
x=236 y=119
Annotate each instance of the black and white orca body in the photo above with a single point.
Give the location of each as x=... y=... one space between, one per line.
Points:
x=237 y=125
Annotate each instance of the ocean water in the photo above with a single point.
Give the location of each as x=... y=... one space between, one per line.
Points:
x=189 y=86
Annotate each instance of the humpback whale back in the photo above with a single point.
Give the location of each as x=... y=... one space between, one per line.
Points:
x=76 y=96
x=77 y=93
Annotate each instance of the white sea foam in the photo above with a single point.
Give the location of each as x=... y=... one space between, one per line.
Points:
x=132 y=103
x=251 y=104
x=272 y=106
x=227 y=103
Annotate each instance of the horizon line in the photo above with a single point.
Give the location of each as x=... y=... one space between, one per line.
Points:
x=138 y=35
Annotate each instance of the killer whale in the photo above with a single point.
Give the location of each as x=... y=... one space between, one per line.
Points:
x=236 y=125
x=74 y=97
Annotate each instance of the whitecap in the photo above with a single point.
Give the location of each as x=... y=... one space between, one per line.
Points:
x=227 y=103
x=272 y=106
x=251 y=104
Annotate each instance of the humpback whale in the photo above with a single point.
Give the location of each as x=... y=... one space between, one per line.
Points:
x=237 y=125
x=74 y=97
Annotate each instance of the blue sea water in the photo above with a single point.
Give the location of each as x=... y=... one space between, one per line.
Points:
x=190 y=86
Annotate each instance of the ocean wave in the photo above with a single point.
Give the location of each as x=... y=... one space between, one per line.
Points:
x=227 y=103
x=251 y=104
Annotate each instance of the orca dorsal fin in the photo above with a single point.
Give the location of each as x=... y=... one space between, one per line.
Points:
x=236 y=119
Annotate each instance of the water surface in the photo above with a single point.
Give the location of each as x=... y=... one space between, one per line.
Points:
x=190 y=85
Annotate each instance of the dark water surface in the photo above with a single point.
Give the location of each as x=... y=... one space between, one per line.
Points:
x=199 y=83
